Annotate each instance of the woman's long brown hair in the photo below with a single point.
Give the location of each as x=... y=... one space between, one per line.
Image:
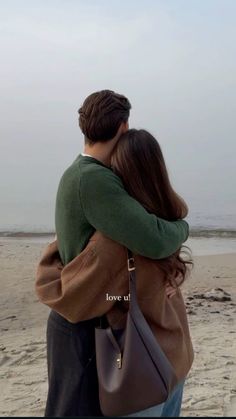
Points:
x=138 y=160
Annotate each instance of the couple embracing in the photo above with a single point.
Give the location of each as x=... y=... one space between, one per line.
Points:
x=115 y=196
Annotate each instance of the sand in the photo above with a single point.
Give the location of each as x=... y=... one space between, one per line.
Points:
x=211 y=385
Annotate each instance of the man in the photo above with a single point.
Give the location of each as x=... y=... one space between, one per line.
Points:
x=91 y=197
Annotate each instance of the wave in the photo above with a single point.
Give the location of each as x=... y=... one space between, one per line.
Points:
x=215 y=232
x=194 y=232
x=19 y=234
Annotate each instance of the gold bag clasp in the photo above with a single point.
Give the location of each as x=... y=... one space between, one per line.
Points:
x=119 y=361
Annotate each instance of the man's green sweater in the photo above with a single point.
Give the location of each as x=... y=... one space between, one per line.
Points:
x=91 y=197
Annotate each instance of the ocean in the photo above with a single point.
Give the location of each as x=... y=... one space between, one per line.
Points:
x=210 y=233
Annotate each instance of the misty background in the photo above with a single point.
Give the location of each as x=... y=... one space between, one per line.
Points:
x=174 y=59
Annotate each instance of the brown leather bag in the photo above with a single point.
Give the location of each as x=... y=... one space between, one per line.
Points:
x=133 y=371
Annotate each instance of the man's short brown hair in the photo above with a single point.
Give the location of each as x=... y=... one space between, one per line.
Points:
x=101 y=114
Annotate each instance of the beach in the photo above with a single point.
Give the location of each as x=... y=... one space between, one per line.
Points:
x=211 y=385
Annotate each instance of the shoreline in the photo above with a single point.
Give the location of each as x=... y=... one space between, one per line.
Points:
x=195 y=232
x=199 y=245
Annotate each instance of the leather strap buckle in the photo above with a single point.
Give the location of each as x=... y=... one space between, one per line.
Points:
x=131 y=266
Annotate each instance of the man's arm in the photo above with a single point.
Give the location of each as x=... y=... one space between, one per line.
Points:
x=113 y=212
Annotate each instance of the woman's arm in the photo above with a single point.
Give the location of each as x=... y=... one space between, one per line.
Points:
x=78 y=290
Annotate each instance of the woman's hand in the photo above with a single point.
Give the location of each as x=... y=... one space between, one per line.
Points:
x=171 y=289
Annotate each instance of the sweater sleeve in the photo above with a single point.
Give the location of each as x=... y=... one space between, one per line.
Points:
x=113 y=212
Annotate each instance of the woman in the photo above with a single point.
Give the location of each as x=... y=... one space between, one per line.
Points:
x=81 y=290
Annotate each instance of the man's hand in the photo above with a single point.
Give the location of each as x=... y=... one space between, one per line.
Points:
x=170 y=289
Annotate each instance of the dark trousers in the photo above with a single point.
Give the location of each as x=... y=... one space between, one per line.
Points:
x=72 y=375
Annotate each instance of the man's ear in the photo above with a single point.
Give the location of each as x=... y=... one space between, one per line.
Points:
x=125 y=127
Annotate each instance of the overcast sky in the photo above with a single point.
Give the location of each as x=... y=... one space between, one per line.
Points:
x=174 y=59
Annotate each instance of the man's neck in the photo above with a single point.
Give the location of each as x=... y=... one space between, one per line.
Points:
x=101 y=151
x=101 y=156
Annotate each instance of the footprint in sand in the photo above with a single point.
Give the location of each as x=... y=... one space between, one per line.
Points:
x=4 y=360
x=18 y=360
